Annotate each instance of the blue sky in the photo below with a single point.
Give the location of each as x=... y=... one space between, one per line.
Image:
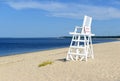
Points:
x=53 y=18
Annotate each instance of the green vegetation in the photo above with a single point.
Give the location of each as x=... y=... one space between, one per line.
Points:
x=45 y=63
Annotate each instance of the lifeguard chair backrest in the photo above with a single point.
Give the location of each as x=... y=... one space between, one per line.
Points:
x=86 y=28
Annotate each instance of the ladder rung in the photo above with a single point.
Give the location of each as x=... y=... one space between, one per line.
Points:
x=76 y=54
x=80 y=40
x=77 y=47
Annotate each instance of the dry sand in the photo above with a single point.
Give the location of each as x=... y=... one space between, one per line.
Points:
x=24 y=67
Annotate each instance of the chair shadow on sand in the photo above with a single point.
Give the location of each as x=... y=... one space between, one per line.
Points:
x=62 y=60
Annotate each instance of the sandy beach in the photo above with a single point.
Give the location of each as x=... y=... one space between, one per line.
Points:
x=24 y=67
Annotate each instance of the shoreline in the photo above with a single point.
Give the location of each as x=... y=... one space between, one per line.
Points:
x=17 y=46
x=24 y=67
x=25 y=52
x=34 y=51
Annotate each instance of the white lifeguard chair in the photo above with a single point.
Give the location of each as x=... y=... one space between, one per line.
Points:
x=81 y=43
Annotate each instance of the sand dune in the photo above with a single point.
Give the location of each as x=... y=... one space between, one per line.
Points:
x=24 y=67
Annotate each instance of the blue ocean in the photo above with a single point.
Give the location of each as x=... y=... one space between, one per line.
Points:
x=12 y=46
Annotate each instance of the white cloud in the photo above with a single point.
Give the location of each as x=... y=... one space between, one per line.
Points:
x=69 y=10
x=37 y=5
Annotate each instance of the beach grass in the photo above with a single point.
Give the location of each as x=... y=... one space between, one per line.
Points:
x=45 y=63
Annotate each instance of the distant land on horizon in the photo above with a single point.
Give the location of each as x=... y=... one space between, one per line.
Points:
x=94 y=37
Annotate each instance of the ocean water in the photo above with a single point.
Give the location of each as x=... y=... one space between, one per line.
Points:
x=11 y=46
